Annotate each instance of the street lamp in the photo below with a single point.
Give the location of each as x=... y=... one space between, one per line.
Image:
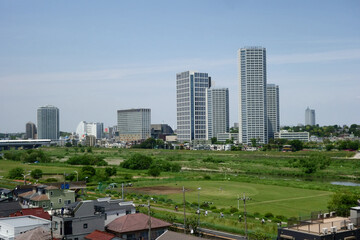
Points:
x=77 y=176
x=199 y=188
x=24 y=175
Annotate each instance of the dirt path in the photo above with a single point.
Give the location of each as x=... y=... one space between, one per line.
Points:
x=286 y=199
x=357 y=155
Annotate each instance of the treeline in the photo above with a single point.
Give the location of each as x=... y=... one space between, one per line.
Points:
x=87 y=159
x=326 y=131
x=29 y=156
x=154 y=166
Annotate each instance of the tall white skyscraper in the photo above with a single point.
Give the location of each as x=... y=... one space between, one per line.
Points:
x=273 y=110
x=48 y=122
x=217 y=111
x=134 y=124
x=86 y=129
x=253 y=122
x=310 y=117
x=191 y=105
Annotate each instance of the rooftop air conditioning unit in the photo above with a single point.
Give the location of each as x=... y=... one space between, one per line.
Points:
x=333 y=229
x=351 y=226
x=325 y=230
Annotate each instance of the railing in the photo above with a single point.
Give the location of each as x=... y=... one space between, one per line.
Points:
x=327 y=225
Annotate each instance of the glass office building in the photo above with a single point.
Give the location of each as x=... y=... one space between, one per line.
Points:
x=48 y=122
x=273 y=111
x=191 y=105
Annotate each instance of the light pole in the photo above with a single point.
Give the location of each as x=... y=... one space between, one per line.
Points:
x=184 y=210
x=199 y=188
x=24 y=175
x=244 y=198
x=77 y=176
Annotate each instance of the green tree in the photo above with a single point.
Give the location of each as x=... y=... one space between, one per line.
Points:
x=297 y=145
x=341 y=202
x=36 y=173
x=213 y=140
x=253 y=142
x=154 y=171
x=137 y=161
x=16 y=173
x=110 y=171
x=68 y=144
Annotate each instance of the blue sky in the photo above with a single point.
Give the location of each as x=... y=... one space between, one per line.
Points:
x=91 y=58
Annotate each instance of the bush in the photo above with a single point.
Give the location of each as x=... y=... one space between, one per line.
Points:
x=110 y=171
x=154 y=171
x=36 y=174
x=233 y=210
x=207 y=177
x=16 y=173
x=269 y=215
x=51 y=180
x=137 y=162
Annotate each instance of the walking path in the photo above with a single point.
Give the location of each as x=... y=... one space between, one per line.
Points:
x=285 y=199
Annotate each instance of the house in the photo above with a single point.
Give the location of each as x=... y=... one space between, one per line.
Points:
x=7 y=208
x=324 y=226
x=38 y=212
x=136 y=226
x=11 y=227
x=100 y=235
x=6 y=194
x=35 y=234
x=113 y=208
x=47 y=197
x=77 y=220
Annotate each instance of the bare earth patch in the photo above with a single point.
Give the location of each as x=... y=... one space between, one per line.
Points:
x=158 y=190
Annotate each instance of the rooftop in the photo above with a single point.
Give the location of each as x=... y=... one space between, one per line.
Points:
x=23 y=221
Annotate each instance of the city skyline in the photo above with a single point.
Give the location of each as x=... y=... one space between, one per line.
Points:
x=120 y=55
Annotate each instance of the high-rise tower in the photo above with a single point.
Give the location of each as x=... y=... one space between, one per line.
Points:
x=309 y=117
x=253 y=122
x=134 y=124
x=217 y=109
x=191 y=105
x=48 y=122
x=273 y=110
x=31 y=131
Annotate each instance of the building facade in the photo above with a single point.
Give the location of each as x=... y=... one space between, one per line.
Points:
x=134 y=124
x=302 y=136
x=191 y=105
x=253 y=122
x=30 y=131
x=48 y=122
x=273 y=109
x=310 y=117
x=217 y=110
x=95 y=129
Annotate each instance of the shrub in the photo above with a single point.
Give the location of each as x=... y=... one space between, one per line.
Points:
x=207 y=177
x=154 y=171
x=269 y=215
x=233 y=210
x=50 y=180
x=36 y=173
x=137 y=162
x=16 y=173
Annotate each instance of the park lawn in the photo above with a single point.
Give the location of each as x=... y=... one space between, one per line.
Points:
x=7 y=165
x=279 y=200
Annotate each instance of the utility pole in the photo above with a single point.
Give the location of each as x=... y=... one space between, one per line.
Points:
x=244 y=198
x=122 y=191
x=184 y=210
x=149 y=212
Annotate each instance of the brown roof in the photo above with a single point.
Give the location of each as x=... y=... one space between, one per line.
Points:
x=99 y=235
x=51 y=187
x=35 y=234
x=38 y=212
x=170 y=235
x=25 y=194
x=135 y=222
x=41 y=197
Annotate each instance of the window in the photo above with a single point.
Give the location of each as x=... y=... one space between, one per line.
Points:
x=60 y=200
x=85 y=225
x=51 y=193
x=67 y=201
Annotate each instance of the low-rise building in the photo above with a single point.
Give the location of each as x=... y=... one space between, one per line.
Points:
x=77 y=220
x=113 y=208
x=284 y=134
x=324 y=226
x=47 y=197
x=222 y=137
x=136 y=226
x=13 y=226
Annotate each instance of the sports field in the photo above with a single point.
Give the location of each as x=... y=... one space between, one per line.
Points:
x=286 y=201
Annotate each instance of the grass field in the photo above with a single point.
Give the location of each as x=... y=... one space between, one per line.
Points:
x=286 y=201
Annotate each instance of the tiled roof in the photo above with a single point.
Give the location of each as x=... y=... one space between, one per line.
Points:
x=7 y=208
x=35 y=234
x=38 y=212
x=99 y=235
x=135 y=222
x=25 y=194
x=41 y=197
